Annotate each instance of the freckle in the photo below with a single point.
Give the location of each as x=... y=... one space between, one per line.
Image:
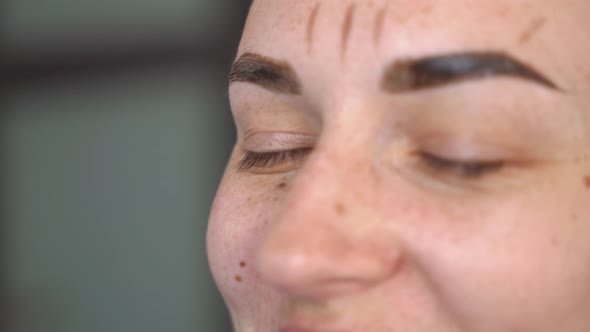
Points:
x=375 y=176
x=340 y=209
x=282 y=185
x=587 y=181
x=238 y=278
x=242 y=264
x=427 y=9
x=502 y=11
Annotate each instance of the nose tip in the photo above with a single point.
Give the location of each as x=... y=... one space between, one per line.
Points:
x=324 y=263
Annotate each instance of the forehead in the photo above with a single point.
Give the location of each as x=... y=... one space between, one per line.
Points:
x=547 y=33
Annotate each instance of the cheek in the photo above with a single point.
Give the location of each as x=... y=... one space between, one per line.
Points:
x=236 y=225
x=525 y=269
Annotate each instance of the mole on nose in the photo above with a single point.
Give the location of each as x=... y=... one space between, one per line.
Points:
x=340 y=208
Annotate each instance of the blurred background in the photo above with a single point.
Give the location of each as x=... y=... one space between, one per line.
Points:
x=115 y=130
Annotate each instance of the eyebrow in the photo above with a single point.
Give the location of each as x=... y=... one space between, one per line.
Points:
x=402 y=76
x=273 y=75
x=431 y=72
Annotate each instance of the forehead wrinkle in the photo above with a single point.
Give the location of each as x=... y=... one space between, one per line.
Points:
x=347 y=27
x=311 y=25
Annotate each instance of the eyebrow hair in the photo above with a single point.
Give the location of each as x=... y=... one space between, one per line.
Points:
x=273 y=75
x=431 y=72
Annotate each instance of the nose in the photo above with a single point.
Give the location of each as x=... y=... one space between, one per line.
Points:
x=325 y=243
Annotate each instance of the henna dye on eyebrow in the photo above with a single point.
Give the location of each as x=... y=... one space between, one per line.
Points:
x=347 y=27
x=532 y=30
x=311 y=25
x=379 y=21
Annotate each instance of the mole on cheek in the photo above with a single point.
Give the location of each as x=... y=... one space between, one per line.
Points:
x=282 y=185
x=242 y=264
x=340 y=209
x=238 y=278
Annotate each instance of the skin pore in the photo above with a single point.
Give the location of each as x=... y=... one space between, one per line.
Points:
x=408 y=166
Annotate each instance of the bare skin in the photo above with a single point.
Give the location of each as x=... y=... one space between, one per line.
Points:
x=460 y=206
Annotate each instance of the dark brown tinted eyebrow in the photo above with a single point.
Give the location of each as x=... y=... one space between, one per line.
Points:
x=431 y=72
x=271 y=74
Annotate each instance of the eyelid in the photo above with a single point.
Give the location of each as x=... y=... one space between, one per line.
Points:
x=263 y=142
x=466 y=148
x=465 y=169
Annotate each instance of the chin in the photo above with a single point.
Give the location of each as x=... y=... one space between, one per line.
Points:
x=255 y=318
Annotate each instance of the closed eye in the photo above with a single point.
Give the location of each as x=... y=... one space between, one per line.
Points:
x=264 y=161
x=470 y=169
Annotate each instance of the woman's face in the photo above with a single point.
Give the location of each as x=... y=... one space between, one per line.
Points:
x=408 y=166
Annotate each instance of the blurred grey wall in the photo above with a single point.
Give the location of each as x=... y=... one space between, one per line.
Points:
x=115 y=131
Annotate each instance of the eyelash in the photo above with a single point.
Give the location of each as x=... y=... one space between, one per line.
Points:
x=461 y=169
x=269 y=159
